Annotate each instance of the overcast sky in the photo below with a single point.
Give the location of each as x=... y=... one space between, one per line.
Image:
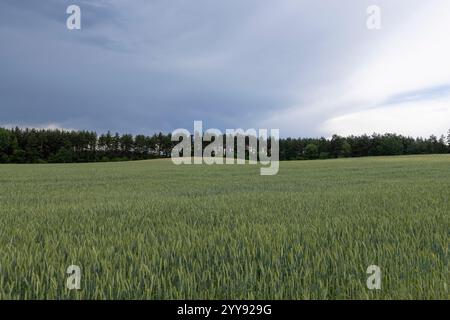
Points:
x=309 y=68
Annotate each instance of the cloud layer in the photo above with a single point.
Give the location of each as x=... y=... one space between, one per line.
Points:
x=309 y=68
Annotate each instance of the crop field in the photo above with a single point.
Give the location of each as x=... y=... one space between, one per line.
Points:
x=153 y=230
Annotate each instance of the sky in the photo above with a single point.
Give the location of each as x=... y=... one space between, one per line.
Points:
x=306 y=67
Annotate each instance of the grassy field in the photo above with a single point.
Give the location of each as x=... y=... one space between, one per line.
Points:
x=153 y=230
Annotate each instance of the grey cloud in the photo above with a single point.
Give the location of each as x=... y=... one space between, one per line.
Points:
x=140 y=66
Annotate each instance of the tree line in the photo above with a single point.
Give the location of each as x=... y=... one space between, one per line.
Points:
x=60 y=146
x=388 y=144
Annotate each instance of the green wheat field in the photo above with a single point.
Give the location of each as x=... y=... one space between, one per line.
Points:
x=153 y=230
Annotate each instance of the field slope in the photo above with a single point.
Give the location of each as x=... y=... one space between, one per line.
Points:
x=153 y=230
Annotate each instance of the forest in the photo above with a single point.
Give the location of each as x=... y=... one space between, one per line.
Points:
x=18 y=145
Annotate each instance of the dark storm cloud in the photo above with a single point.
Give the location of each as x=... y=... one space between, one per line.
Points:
x=107 y=75
x=147 y=66
x=140 y=66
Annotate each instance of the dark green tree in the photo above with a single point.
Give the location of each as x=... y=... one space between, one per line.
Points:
x=311 y=151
